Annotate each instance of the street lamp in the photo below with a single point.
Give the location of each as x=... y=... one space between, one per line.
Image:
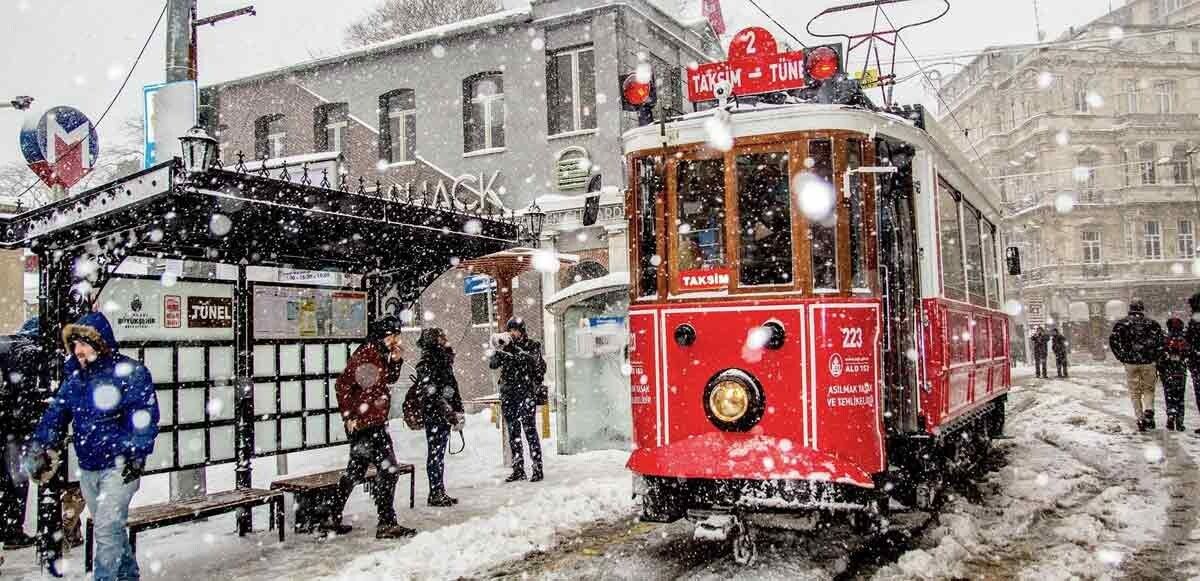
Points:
x=199 y=150
x=534 y=218
x=20 y=103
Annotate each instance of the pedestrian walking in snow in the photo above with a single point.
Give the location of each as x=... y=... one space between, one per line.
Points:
x=1138 y=341
x=442 y=408
x=522 y=368
x=109 y=400
x=1193 y=339
x=1058 y=343
x=21 y=406
x=1039 y=340
x=1172 y=370
x=365 y=399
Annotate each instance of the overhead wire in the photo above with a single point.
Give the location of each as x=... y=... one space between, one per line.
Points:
x=781 y=27
x=953 y=116
x=75 y=146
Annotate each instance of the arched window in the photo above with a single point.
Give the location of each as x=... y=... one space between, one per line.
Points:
x=330 y=122
x=398 y=126
x=268 y=136
x=483 y=112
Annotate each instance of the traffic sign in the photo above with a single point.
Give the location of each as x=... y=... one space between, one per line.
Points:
x=62 y=147
x=478 y=284
x=755 y=66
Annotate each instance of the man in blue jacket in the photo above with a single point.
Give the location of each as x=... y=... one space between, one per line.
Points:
x=110 y=398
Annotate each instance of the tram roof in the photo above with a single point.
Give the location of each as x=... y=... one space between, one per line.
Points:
x=765 y=119
x=244 y=218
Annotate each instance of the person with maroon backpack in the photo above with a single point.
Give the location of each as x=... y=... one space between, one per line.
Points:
x=364 y=397
x=1173 y=371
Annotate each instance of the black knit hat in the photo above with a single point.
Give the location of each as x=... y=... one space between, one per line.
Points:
x=429 y=338
x=389 y=325
x=1137 y=306
x=516 y=323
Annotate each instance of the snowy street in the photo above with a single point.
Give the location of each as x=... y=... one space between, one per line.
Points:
x=1075 y=494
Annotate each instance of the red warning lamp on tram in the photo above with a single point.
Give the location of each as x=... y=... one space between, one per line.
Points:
x=822 y=63
x=636 y=94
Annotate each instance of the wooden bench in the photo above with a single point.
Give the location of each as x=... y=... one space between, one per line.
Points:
x=314 y=491
x=155 y=516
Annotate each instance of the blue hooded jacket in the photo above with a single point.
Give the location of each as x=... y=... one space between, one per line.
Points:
x=111 y=401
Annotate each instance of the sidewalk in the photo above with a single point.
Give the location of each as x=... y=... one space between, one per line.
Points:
x=493 y=521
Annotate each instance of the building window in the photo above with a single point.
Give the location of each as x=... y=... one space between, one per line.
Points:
x=1152 y=240
x=1080 y=95
x=1164 y=96
x=398 y=113
x=483 y=112
x=1181 y=170
x=571 y=90
x=1130 y=96
x=1196 y=45
x=1085 y=171
x=1187 y=239
x=1147 y=153
x=268 y=136
x=1091 y=247
x=329 y=126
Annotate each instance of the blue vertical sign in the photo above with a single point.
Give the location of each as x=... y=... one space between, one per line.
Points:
x=478 y=284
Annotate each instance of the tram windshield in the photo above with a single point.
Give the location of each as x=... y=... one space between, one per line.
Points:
x=774 y=216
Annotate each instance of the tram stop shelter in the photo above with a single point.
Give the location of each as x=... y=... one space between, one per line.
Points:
x=279 y=392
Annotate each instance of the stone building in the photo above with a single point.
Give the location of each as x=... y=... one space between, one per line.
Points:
x=1091 y=140
x=503 y=110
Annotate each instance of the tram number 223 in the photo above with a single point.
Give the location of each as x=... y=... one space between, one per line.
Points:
x=852 y=337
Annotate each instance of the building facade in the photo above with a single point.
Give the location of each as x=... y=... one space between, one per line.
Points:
x=1091 y=140
x=519 y=106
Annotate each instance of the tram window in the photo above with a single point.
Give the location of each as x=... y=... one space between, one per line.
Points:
x=859 y=224
x=989 y=264
x=974 y=252
x=983 y=346
x=960 y=337
x=764 y=219
x=951 y=231
x=651 y=184
x=700 y=210
x=823 y=232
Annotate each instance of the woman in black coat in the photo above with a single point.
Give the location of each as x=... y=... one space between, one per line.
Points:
x=442 y=408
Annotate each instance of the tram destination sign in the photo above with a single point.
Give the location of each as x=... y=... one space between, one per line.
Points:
x=755 y=66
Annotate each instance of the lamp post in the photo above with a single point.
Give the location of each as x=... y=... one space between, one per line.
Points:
x=199 y=150
x=534 y=217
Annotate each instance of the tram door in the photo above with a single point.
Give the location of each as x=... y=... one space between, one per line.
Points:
x=899 y=285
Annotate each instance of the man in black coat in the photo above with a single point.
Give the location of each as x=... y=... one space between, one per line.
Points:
x=522 y=368
x=1059 y=344
x=1193 y=339
x=1138 y=342
x=21 y=406
x=1039 y=341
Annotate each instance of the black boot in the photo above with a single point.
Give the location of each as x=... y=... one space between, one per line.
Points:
x=515 y=476
x=394 y=531
x=1170 y=423
x=330 y=527
x=1150 y=420
x=18 y=540
x=440 y=498
x=537 y=474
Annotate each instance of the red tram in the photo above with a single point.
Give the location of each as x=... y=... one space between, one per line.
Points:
x=816 y=309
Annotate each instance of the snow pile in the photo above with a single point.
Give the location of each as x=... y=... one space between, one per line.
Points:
x=509 y=533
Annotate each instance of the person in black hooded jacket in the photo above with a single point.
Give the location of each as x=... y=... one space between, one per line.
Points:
x=521 y=370
x=442 y=408
x=1193 y=339
x=21 y=406
x=1138 y=342
x=1172 y=371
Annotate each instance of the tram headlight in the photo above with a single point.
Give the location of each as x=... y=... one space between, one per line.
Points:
x=734 y=401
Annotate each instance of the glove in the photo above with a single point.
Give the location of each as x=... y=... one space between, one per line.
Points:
x=40 y=464
x=133 y=470
x=460 y=421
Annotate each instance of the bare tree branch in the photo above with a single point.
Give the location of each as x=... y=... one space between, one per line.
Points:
x=395 y=18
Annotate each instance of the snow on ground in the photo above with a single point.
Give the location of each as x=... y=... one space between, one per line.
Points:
x=493 y=521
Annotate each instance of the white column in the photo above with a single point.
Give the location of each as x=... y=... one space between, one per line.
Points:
x=618 y=247
x=549 y=325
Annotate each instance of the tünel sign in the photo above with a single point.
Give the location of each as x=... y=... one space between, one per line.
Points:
x=210 y=312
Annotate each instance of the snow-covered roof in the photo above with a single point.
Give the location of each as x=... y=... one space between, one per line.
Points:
x=567 y=202
x=501 y=18
x=559 y=301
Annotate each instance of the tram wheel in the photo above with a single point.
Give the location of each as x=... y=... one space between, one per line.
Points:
x=745 y=550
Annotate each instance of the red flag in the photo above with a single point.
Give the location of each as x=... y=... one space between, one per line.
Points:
x=712 y=11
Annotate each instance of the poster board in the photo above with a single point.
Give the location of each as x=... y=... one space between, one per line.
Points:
x=143 y=309
x=307 y=312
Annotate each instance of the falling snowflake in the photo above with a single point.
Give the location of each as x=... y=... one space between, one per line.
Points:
x=123 y=369
x=220 y=225
x=1153 y=453
x=1013 y=307
x=1063 y=137
x=817 y=197
x=169 y=279
x=473 y=227
x=1110 y=557
x=1064 y=203
x=656 y=260
x=1095 y=100
x=1045 y=79
x=644 y=72
x=545 y=261
x=438 y=51
x=106 y=397
x=720 y=135
x=537 y=44
x=141 y=419
x=1116 y=33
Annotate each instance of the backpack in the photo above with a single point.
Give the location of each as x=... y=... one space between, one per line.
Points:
x=413 y=408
